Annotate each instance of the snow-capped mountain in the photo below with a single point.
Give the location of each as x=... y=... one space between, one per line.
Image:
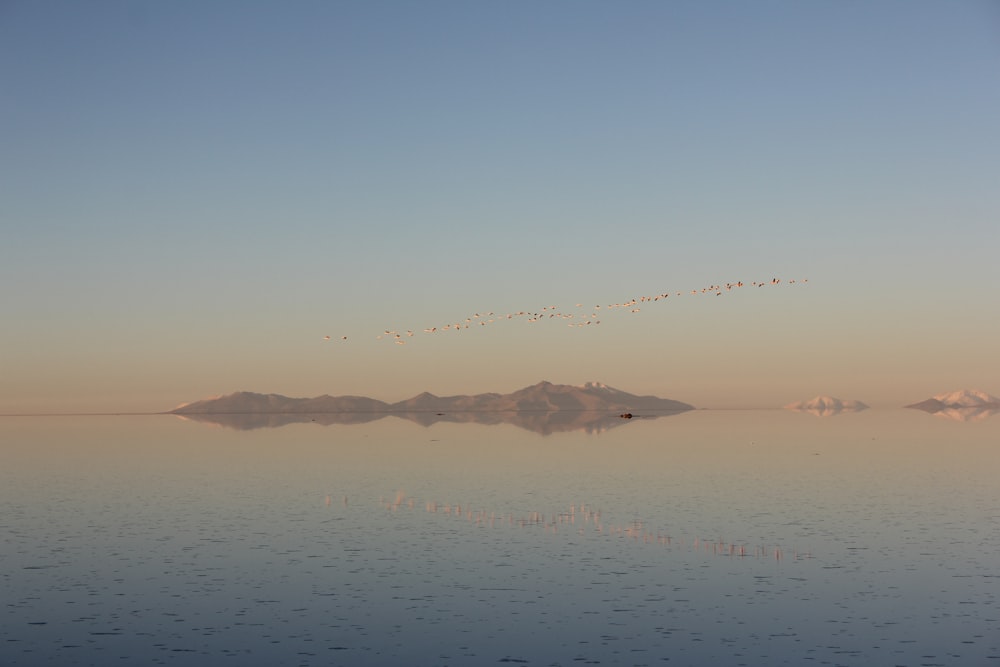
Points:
x=964 y=398
x=962 y=405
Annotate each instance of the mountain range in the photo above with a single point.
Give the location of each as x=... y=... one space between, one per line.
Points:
x=543 y=397
x=542 y=407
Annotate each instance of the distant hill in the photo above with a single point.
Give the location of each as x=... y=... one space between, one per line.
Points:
x=827 y=405
x=544 y=396
x=246 y=402
x=963 y=405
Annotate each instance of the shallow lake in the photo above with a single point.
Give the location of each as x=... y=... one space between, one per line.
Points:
x=702 y=538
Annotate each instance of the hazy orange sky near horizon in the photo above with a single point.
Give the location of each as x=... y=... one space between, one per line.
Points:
x=195 y=195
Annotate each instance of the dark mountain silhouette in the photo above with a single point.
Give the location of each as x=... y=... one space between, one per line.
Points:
x=246 y=402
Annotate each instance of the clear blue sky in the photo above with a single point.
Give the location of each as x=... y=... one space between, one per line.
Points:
x=192 y=194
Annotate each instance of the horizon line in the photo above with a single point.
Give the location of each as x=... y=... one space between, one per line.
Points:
x=177 y=414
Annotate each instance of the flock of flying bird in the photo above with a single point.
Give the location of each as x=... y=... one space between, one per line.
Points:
x=580 y=318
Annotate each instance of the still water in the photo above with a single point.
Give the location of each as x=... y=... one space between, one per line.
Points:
x=703 y=538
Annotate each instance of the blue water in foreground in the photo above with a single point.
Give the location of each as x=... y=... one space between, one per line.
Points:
x=705 y=538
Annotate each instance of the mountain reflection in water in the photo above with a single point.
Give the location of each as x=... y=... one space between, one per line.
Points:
x=966 y=414
x=541 y=422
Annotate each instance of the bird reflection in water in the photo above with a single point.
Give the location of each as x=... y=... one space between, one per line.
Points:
x=583 y=520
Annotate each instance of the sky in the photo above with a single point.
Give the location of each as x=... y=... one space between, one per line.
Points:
x=193 y=195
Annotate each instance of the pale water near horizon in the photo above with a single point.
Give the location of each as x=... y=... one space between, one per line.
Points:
x=708 y=537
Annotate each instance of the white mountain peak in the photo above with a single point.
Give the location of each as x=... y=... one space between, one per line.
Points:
x=595 y=385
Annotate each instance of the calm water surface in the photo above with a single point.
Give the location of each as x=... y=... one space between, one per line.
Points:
x=709 y=537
